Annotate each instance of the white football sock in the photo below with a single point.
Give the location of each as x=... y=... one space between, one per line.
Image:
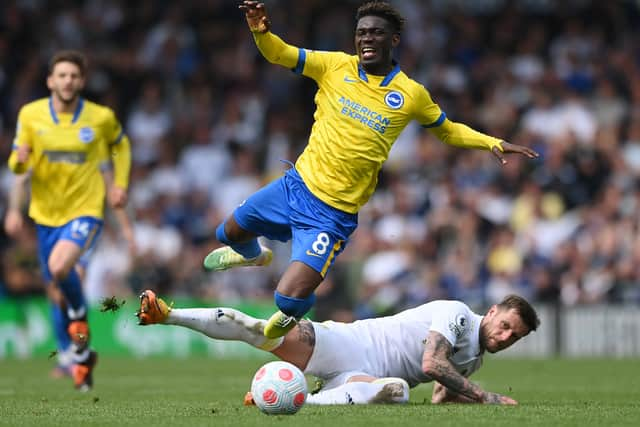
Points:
x=391 y=390
x=224 y=324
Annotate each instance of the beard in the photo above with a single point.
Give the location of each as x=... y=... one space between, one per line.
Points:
x=66 y=99
x=484 y=340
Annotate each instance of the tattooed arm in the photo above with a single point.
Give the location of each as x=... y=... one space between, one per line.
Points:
x=436 y=364
x=441 y=394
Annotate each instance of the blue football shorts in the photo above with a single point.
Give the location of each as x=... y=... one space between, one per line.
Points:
x=83 y=231
x=285 y=209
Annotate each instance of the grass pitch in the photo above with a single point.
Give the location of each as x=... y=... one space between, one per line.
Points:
x=199 y=392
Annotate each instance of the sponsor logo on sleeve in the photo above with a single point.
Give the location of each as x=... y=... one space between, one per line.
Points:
x=459 y=326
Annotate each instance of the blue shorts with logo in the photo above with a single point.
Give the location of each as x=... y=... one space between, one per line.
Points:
x=84 y=231
x=285 y=209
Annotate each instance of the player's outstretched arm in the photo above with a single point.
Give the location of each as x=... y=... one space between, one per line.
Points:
x=506 y=147
x=256 y=15
x=126 y=228
x=461 y=135
x=272 y=47
x=436 y=364
x=14 y=220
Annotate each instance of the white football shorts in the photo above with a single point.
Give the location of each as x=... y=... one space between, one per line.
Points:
x=338 y=354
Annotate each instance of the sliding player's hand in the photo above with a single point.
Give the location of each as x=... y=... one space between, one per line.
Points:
x=256 y=15
x=512 y=148
x=497 y=399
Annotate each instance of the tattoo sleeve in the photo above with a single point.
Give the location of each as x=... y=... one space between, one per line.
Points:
x=306 y=333
x=436 y=364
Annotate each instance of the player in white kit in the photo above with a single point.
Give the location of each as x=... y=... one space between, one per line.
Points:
x=375 y=360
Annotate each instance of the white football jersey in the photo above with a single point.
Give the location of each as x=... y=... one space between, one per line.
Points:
x=393 y=346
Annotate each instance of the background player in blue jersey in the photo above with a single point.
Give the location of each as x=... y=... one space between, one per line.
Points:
x=63 y=146
x=363 y=103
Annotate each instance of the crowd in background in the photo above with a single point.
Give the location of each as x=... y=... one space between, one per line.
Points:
x=210 y=121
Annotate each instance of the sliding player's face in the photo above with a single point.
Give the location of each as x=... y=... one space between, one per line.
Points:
x=501 y=328
x=374 y=40
x=65 y=81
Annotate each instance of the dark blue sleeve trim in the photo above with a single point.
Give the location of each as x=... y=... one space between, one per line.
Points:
x=437 y=123
x=119 y=138
x=302 y=58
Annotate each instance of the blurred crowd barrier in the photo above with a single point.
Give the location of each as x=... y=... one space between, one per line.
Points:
x=210 y=120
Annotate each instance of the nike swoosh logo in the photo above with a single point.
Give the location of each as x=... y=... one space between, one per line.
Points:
x=349 y=79
x=313 y=254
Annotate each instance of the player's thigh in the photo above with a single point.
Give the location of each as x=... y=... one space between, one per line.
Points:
x=64 y=255
x=266 y=213
x=338 y=354
x=76 y=240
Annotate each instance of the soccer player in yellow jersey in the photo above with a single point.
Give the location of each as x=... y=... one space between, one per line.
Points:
x=63 y=145
x=363 y=103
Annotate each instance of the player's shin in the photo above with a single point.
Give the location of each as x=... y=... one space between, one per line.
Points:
x=224 y=324
x=60 y=329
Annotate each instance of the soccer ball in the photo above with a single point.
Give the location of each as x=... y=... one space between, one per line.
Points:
x=279 y=388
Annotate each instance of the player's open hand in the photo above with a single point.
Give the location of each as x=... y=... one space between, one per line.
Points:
x=13 y=223
x=513 y=148
x=256 y=15
x=117 y=197
x=498 y=399
x=23 y=153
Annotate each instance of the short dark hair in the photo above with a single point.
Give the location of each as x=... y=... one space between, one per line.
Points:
x=521 y=306
x=383 y=10
x=73 y=56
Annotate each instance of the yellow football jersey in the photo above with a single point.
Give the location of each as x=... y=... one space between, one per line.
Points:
x=357 y=120
x=68 y=152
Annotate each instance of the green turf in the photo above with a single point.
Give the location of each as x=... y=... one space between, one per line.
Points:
x=191 y=392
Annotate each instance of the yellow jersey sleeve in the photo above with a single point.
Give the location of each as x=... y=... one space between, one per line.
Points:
x=23 y=137
x=427 y=112
x=275 y=50
x=311 y=63
x=119 y=149
x=461 y=135
x=431 y=117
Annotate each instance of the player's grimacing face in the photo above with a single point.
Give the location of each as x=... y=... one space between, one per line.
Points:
x=502 y=328
x=374 y=41
x=65 y=81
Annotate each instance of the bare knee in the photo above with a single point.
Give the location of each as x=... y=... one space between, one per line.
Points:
x=59 y=270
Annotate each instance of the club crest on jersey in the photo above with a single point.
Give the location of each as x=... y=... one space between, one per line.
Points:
x=86 y=135
x=459 y=326
x=394 y=99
